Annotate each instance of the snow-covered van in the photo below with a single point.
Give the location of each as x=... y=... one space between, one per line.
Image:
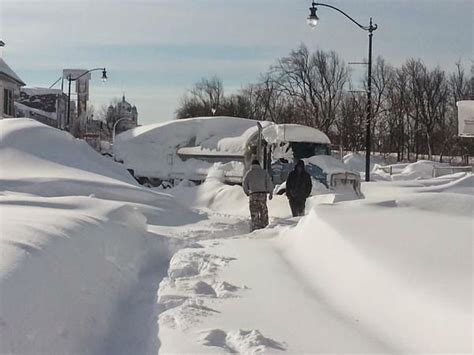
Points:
x=189 y=148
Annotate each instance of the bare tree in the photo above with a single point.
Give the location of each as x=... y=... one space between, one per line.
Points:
x=210 y=92
x=314 y=82
x=204 y=99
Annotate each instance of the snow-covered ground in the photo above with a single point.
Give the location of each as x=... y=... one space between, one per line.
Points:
x=93 y=263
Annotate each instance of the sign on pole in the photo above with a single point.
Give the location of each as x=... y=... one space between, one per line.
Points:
x=465 y=118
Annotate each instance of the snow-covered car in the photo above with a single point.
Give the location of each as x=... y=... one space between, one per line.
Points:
x=189 y=148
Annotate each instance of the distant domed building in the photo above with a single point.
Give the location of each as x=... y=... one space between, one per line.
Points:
x=125 y=110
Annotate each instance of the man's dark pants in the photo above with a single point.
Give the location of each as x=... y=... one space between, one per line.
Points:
x=297 y=206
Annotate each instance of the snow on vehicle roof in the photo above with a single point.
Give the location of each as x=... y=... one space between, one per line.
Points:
x=213 y=133
x=294 y=133
x=200 y=151
x=155 y=150
x=152 y=150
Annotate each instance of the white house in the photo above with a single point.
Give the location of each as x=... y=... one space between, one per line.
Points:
x=10 y=84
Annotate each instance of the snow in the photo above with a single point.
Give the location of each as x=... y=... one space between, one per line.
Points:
x=294 y=133
x=28 y=110
x=387 y=280
x=33 y=91
x=422 y=169
x=94 y=263
x=356 y=161
x=7 y=71
x=74 y=241
x=151 y=151
x=328 y=164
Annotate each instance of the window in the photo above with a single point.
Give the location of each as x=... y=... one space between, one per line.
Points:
x=302 y=150
x=8 y=102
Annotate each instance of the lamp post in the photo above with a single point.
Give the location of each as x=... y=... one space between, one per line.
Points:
x=71 y=79
x=115 y=125
x=312 y=22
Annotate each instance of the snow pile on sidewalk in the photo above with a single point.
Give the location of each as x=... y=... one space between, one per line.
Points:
x=74 y=241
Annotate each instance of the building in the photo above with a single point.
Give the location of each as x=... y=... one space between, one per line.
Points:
x=48 y=106
x=10 y=84
x=123 y=111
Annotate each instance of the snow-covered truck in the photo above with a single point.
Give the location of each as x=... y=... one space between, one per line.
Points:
x=187 y=149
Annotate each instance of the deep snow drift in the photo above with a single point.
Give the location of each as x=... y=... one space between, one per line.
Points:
x=94 y=263
x=74 y=242
x=388 y=274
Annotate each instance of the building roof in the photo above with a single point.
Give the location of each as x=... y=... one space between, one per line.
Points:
x=34 y=91
x=8 y=72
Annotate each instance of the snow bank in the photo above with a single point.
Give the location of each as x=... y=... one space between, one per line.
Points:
x=151 y=150
x=66 y=264
x=47 y=162
x=460 y=183
x=422 y=169
x=399 y=270
x=356 y=161
x=214 y=195
x=74 y=241
x=31 y=150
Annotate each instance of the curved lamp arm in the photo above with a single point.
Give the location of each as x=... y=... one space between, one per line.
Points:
x=370 y=28
x=104 y=74
x=115 y=125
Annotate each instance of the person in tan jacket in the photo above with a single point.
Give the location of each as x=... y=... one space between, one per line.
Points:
x=257 y=184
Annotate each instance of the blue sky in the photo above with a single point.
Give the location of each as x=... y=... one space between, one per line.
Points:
x=155 y=50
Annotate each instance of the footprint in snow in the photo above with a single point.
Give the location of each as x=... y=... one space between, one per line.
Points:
x=240 y=341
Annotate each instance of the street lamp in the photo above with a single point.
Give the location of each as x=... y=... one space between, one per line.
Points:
x=115 y=125
x=71 y=79
x=312 y=22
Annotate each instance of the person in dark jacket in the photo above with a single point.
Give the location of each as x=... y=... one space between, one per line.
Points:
x=298 y=188
x=257 y=184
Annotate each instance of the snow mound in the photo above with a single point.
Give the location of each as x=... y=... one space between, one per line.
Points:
x=251 y=342
x=151 y=150
x=74 y=241
x=461 y=183
x=32 y=150
x=66 y=264
x=188 y=263
x=356 y=161
x=446 y=203
x=47 y=162
x=422 y=169
x=240 y=341
x=407 y=260
x=219 y=171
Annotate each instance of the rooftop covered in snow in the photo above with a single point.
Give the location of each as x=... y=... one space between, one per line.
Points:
x=5 y=70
